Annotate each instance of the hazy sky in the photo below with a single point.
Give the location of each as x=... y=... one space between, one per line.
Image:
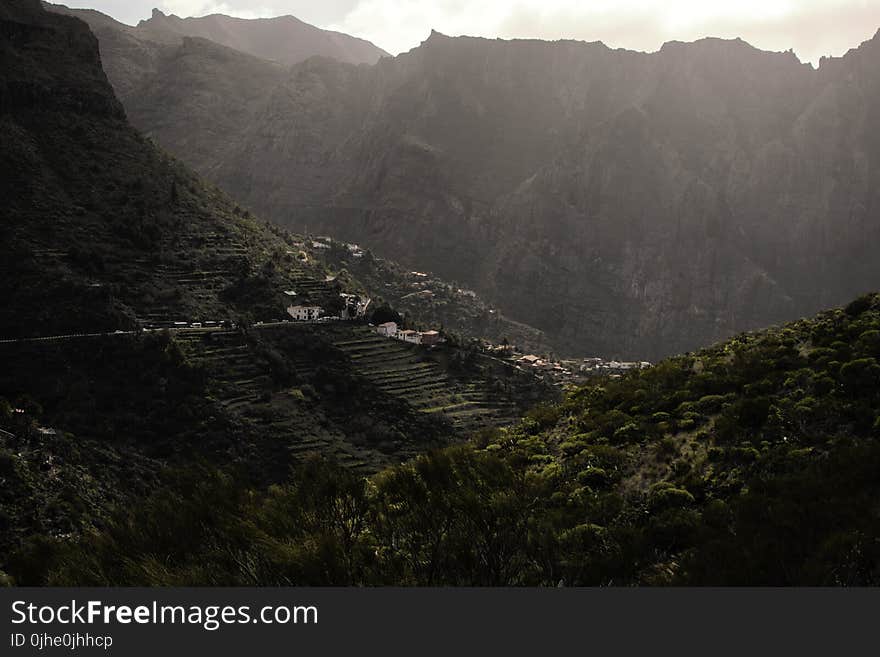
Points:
x=811 y=27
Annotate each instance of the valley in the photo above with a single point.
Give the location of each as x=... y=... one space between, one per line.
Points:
x=519 y=355
x=623 y=204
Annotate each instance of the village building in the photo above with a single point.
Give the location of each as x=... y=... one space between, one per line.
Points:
x=412 y=337
x=388 y=329
x=304 y=313
x=430 y=337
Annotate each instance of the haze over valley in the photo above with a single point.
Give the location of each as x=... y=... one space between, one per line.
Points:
x=626 y=204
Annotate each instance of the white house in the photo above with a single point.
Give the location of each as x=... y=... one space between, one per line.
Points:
x=304 y=313
x=409 y=336
x=388 y=329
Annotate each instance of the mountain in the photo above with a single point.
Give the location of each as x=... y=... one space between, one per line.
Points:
x=133 y=56
x=624 y=203
x=285 y=40
x=140 y=330
x=753 y=462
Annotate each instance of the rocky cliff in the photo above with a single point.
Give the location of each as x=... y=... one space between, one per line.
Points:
x=625 y=203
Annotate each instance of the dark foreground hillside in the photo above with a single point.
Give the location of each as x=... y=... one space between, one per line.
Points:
x=753 y=462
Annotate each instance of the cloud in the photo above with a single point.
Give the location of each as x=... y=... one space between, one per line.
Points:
x=811 y=27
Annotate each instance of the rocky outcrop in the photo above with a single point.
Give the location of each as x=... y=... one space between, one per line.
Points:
x=25 y=86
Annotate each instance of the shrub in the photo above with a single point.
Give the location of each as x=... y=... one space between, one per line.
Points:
x=860 y=305
x=627 y=433
x=710 y=403
x=675 y=528
x=716 y=514
x=752 y=413
x=861 y=376
x=670 y=498
x=593 y=477
x=870 y=341
x=823 y=385
x=572 y=447
x=667 y=445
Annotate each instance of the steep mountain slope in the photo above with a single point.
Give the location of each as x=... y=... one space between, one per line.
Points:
x=285 y=40
x=752 y=462
x=426 y=300
x=626 y=204
x=105 y=235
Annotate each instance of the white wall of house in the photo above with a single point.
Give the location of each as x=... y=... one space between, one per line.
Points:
x=304 y=313
x=388 y=329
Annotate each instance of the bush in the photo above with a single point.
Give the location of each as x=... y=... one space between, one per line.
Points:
x=870 y=342
x=675 y=528
x=665 y=496
x=667 y=446
x=752 y=413
x=711 y=403
x=593 y=477
x=860 y=305
x=861 y=376
x=628 y=433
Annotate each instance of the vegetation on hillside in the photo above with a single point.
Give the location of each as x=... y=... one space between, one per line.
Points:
x=752 y=462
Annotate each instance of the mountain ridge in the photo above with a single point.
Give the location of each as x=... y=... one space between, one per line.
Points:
x=285 y=39
x=518 y=156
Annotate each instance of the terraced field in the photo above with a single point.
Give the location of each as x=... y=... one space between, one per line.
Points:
x=285 y=421
x=410 y=372
x=165 y=285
